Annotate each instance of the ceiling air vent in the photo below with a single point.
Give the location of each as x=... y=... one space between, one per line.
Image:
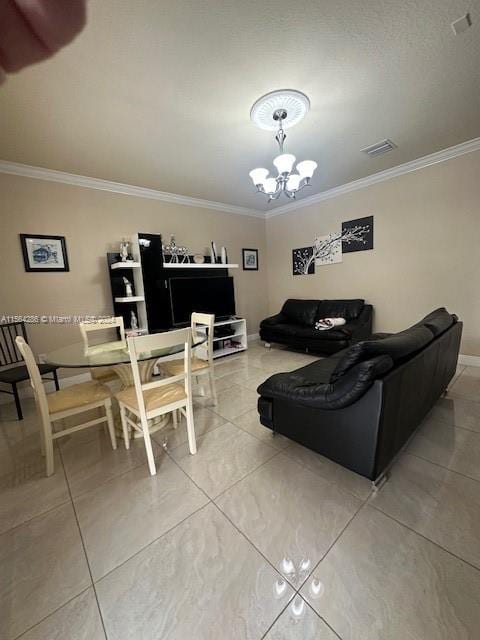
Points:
x=462 y=24
x=380 y=147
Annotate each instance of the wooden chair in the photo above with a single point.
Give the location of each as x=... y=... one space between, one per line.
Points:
x=65 y=403
x=102 y=374
x=11 y=372
x=151 y=399
x=200 y=366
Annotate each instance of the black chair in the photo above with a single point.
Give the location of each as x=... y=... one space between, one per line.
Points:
x=10 y=356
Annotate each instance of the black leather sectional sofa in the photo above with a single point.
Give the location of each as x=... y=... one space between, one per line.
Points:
x=295 y=324
x=360 y=406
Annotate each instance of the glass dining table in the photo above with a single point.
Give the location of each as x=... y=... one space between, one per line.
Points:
x=115 y=355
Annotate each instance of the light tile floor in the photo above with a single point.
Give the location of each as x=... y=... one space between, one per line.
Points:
x=253 y=538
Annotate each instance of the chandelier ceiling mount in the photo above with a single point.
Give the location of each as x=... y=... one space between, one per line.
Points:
x=278 y=111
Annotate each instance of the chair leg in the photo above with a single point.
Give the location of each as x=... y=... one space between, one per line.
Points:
x=192 y=443
x=148 y=448
x=17 y=402
x=213 y=388
x=175 y=418
x=55 y=379
x=126 y=435
x=111 y=426
x=49 y=456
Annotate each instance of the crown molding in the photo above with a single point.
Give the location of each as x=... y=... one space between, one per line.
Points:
x=52 y=175
x=382 y=176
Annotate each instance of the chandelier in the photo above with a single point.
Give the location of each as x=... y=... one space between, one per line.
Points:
x=278 y=111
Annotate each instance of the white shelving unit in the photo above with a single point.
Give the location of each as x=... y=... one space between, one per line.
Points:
x=125 y=265
x=130 y=299
x=192 y=265
x=238 y=338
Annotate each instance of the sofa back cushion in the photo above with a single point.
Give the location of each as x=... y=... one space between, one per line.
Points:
x=437 y=321
x=303 y=312
x=399 y=346
x=348 y=309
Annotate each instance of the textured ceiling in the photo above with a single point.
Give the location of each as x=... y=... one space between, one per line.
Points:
x=157 y=94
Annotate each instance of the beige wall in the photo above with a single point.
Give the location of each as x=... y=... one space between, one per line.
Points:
x=427 y=239
x=427 y=248
x=94 y=222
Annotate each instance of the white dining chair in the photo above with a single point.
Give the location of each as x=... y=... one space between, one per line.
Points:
x=102 y=374
x=148 y=400
x=67 y=402
x=200 y=366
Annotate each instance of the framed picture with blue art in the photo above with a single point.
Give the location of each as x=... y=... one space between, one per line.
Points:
x=44 y=253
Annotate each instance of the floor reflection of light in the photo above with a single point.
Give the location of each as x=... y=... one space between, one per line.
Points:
x=279 y=588
x=316 y=588
x=297 y=608
x=295 y=572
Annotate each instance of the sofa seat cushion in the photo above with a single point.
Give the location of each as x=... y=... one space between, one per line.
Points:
x=302 y=312
x=348 y=309
x=340 y=333
x=286 y=330
x=398 y=346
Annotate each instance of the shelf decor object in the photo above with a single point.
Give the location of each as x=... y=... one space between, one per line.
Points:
x=178 y=253
x=124 y=252
x=44 y=253
x=250 y=259
x=278 y=111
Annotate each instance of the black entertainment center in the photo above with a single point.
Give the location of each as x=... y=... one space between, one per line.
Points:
x=164 y=293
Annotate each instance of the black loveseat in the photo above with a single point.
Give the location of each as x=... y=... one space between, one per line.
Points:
x=294 y=326
x=360 y=406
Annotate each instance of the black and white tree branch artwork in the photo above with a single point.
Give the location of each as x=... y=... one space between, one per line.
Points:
x=365 y=240
x=328 y=249
x=302 y=263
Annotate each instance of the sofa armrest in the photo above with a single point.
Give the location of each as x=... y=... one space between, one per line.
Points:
x=344 y=392
x=273 y=320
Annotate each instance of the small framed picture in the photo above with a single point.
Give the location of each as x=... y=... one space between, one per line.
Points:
x=250 y=259
x=44 y=253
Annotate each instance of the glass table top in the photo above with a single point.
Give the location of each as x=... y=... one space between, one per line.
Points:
x=108 y=354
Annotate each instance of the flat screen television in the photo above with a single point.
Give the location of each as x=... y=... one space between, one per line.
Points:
x=206 y=295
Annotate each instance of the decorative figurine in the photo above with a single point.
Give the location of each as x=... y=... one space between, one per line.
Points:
x=223 y=253
x=124 y=254
x=133 y=321
x=175 y=252
x=128 y=287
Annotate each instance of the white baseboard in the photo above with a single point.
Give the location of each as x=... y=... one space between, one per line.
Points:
x=470 y=361
x=253 y=336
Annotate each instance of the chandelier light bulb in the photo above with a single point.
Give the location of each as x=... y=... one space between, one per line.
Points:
x=270 y=185
x=284 y=162
x=293 y=182
x=258 y=176
x=306 y=169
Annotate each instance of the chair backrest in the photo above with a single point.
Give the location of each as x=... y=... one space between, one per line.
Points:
x=208 y=320
x=142 y=344
x=100 y=325
x=9 y=352
x=35 y=378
